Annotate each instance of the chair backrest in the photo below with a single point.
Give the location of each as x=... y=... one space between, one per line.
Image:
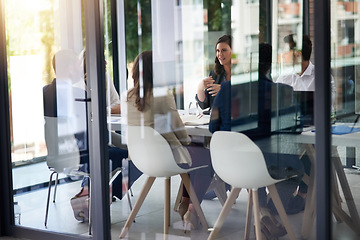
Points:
x=150 y=152
x=239 y=161
x=63 y=151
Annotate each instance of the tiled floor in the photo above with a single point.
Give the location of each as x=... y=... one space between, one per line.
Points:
x=149 y=222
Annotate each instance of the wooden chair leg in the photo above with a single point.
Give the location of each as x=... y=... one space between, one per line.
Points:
x=224 y=212
x=178 y=197
x=144 y=192
x=167 y=206
x=248 y=216
x=280 y=209
x=185 y=178
x=255 y=198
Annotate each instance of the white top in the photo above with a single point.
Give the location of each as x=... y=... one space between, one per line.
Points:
x=306 y=81
x=112 y=97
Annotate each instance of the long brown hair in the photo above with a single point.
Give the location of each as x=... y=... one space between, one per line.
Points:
x=142 y=93
x=218 y=67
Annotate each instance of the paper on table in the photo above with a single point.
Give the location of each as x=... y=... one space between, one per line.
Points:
x=115 y=119
x=194 y=120
x=343 y=129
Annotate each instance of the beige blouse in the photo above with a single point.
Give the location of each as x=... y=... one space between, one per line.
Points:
x=163 y=116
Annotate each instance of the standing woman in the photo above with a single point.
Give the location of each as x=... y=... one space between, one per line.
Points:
x=210 y=86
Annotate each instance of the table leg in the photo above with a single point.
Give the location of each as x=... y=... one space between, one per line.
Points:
x=353 y=220
x=354 y=216
x=309 y=212
x=336 y=198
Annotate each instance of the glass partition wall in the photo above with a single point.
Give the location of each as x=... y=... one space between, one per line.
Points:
x=57 y=126
x=45 y=42
x=277 y=112
x=274 y=51
x=183 y=39
x=344 y=35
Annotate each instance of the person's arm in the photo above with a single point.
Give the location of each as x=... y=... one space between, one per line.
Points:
x=177 y=125
x=114 y=104
x=116 y=109
x=213 y=89
x=202 y=96
x=203 y=85
x=220 y=118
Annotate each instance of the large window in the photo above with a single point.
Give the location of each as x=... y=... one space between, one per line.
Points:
x=49 y=82
x=54 y=103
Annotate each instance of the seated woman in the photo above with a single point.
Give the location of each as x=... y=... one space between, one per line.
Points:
x=210 y=86
x=279 y=165
x=148 y=107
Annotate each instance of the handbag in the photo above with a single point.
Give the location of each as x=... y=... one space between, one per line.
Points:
x=80 y=205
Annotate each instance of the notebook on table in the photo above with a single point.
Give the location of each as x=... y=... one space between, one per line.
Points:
x=194 y=120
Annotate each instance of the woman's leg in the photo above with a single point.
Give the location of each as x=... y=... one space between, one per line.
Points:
x=116 y=155
x=200 y=178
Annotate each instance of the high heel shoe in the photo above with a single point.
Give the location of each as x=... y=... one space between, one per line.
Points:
x=191 y=220
x=183 y=208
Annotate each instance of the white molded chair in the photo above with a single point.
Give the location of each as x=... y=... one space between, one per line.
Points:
x=152 y=155
x=239 y=162
x=64 y=157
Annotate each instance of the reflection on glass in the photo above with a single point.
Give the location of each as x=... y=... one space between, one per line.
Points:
x=49 y=129
x=344 y=40
x=184 y=45
x=344 y=64
x=288 y=35
x=183 y=37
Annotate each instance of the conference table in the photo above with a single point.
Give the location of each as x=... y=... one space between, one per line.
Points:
x=194 y=126
x=306 y=145
x=339 y=181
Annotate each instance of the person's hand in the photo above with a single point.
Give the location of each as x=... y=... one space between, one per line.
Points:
x=208 y=82
x=116 y=109
x=214 y=89
x=202 y=87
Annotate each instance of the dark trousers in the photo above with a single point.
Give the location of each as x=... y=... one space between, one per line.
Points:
x=282 y=166
x=200 y=178
x=116 y=155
